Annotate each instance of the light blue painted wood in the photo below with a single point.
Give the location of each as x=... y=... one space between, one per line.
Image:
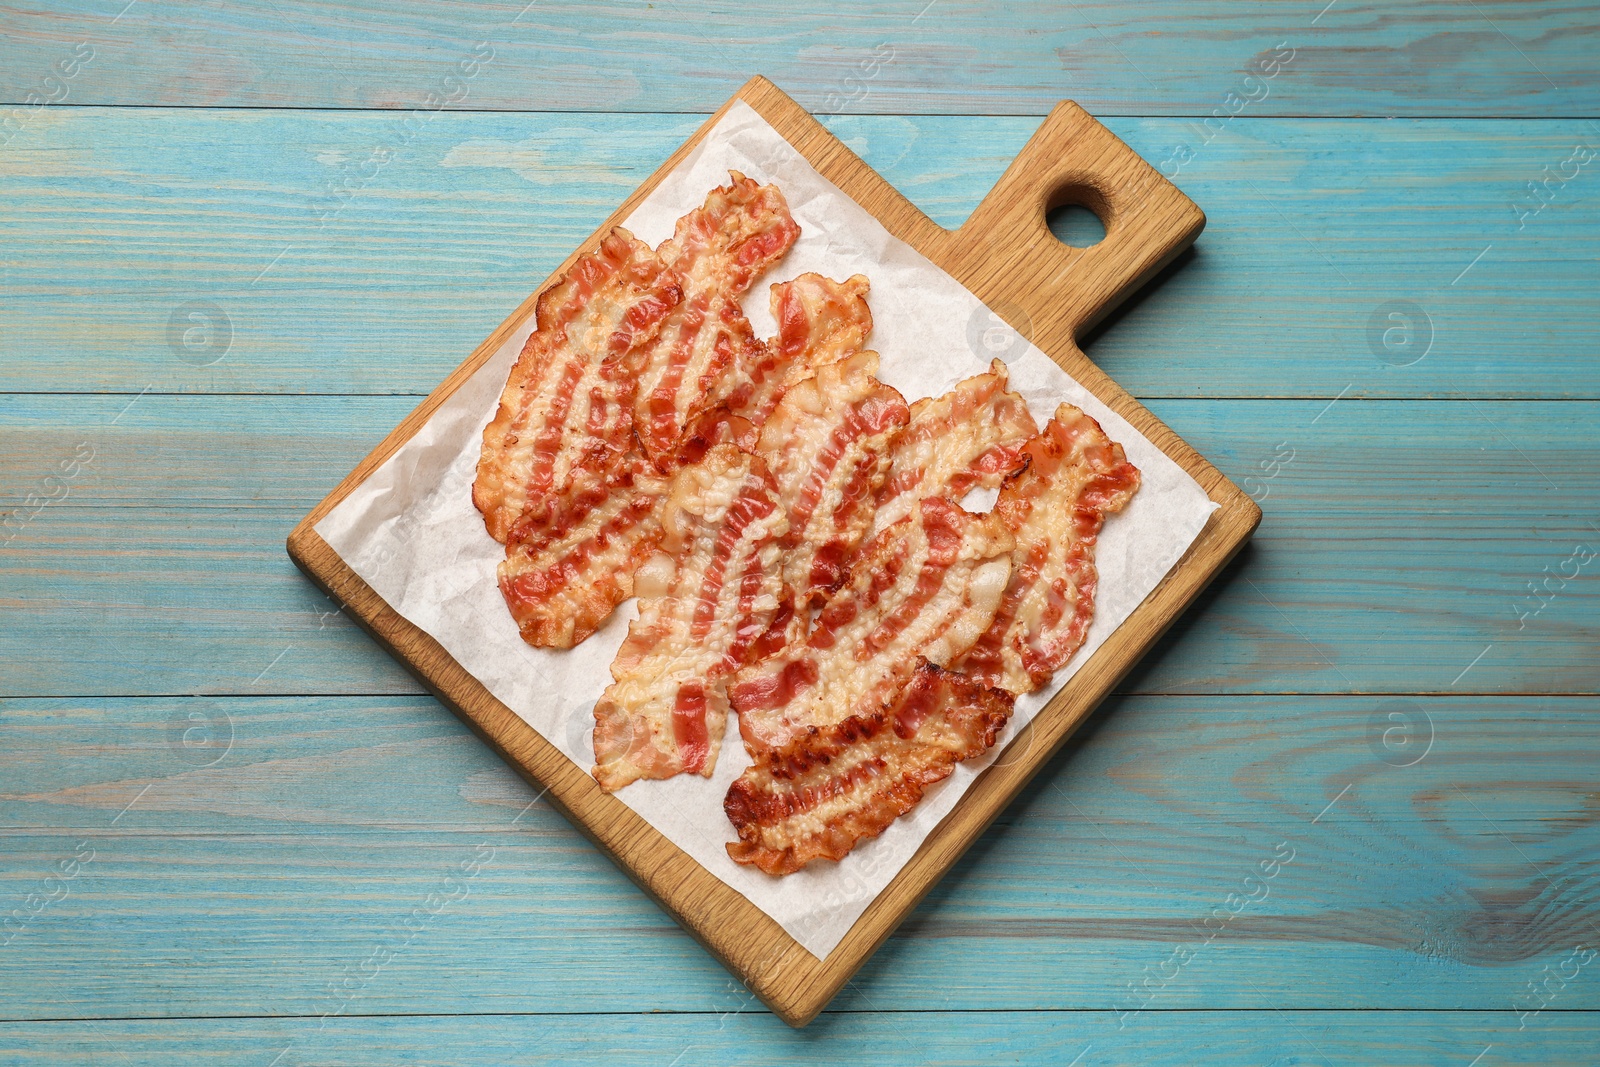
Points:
x=1438 y=57
x=1398 y=545
x=269 y=855
x=176 y=602
x=1053 y=1039
x=115 y=221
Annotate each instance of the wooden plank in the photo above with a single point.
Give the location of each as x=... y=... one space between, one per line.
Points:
x=1007 y=257
x=240 y=619
x=273 y=865
x=1398 y=544
x=1438 y=57
x=1310 y=250
x=203 y=451
x=118 y=220
x=1335 y=1039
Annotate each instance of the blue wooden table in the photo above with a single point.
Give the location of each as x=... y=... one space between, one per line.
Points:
x=1344 y=814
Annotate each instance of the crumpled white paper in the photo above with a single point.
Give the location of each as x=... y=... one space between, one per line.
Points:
x=412 y=533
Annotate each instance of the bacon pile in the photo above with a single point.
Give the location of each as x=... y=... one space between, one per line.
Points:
x=791 y=526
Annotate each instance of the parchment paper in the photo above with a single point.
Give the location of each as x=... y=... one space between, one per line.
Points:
x=412 y=533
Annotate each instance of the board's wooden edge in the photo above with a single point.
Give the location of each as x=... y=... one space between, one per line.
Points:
x=787 y=978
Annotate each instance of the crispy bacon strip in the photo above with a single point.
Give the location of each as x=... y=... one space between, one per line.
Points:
x=1055 y=507
x=826 y=443
x=707 y=601
x=927 y=586
x=820 y=321
x=570 y=396
x=570 y=559
x=971 y=436
x=829 y=789
x=718 y=249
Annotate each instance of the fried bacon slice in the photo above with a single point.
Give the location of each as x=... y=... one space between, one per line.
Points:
x=570 y=558
x=1055 y=507
x=570 y=396
x=717 y=250
x=820 y=321
x=833 y=786
x=826 y=443
x=927 y=586
x=708 y=599
x=971 y=436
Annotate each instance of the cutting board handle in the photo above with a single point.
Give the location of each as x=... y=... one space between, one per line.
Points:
x=1049 y=291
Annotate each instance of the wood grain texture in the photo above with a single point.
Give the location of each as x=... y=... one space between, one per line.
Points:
x=1334 y=1039
x=1398 y=544
x=287 y=837
x=1007 y=256
x=115 y=220
x=1356 y=58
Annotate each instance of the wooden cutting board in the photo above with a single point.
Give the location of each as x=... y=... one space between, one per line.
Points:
x=1047 y=291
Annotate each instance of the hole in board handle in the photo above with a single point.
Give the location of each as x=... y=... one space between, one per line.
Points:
x=1077 y=215
x=1075 y=225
